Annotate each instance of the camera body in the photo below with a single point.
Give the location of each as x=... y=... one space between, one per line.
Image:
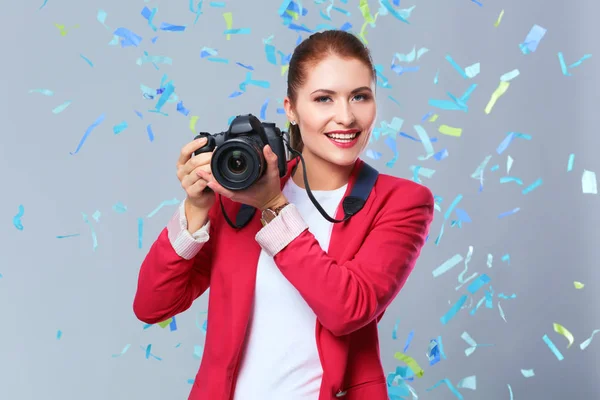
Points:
x=238 y=160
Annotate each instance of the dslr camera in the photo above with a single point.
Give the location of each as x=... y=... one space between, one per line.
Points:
x=238 y=160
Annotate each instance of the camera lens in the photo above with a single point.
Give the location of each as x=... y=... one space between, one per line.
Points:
x=237 y=162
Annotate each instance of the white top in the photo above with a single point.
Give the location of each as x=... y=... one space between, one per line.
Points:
x=280 y=358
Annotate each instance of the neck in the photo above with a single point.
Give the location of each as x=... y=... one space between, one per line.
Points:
x=321 y=174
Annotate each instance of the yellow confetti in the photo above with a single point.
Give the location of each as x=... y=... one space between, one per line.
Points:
x=561 y=330
x=433 y=118
x=450 y=131
x=165 y=323
x=193 y=120
x=578 y=285
x=412 y=364
x=292 y=14
x=228 y=22
x=500 y=90
x=499 y=19
x=369 y=19
x=284 y=69
x=63 y=30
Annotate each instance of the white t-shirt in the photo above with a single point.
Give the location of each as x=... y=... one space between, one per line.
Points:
x=280 y=358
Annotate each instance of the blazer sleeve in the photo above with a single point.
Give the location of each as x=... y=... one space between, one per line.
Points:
x=348 y=296
x=176 y=270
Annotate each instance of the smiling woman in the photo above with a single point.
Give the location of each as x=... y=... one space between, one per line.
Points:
x=331 y=105
x=295 y=317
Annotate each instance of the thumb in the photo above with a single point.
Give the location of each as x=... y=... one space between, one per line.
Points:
x=271 y=156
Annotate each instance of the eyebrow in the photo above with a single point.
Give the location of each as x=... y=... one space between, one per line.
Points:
x=360 y=89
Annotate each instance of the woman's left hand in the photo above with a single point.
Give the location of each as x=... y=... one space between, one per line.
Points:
x=263 y=194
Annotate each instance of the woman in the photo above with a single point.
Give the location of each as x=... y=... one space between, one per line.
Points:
x=294 y=300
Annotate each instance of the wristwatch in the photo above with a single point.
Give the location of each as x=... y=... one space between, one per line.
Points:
x=269 y=214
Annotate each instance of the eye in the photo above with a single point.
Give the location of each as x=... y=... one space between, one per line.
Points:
x=361 y=97
x=322 y=99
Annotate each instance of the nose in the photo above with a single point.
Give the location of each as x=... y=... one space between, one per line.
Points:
x=344 y=115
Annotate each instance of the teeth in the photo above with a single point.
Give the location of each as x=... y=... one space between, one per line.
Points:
x=348 y=136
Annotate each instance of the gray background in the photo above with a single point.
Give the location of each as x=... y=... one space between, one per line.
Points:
x=51 y=284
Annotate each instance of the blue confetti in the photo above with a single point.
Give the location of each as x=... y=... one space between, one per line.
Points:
x=87 y=60
x=17 y=218
x=87 y=133
x=150 y=133
x=128 y=38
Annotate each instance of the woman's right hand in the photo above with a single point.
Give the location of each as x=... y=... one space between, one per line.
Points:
x=198 y=201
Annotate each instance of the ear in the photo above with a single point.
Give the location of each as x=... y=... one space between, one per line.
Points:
x=289 y=112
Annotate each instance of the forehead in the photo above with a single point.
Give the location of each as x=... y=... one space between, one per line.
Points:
x=337 y=73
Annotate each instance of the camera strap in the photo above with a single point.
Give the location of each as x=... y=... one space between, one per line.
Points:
x=352 y=204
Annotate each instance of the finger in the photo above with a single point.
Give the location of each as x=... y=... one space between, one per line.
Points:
x=214 y=185
x=188 y=149
x=201 y=160
x=271 y=158
x=191 y=178
x=197 y=188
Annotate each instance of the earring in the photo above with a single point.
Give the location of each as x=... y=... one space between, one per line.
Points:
x=293 y=122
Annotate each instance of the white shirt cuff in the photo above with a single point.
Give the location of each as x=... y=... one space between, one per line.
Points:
x=284 y=228
x=186 y=244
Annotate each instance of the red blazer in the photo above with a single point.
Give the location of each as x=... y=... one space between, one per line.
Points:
x=349 y=287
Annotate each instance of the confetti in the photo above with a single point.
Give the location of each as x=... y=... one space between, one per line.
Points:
x=45 y=92
x=171 y=28
x=166 y=203
x=17 y=218
x=469 y=382
x=87 y=60
x=412 y=55
x=588 y=182
x=87 y=133
x=453 y=310
x=93 y=232
x=531 y=187
x=561 y=330
x=150 y=132
x=408 y=340
x=457 y=67
x=412 y=364
x=58 y=334
x=61 y=107
x=128 y=38
x=391 y=143
x=149 y=15
x=578 y=285
x=553 y=348
x=532 y=40
x=120 y=127
x=502 y=88
x=447 y=265
x=570 y=162
x=450 y=131
x=509 y=76
x=450 y=386
x=395 y=330
x=193 y=120
x=527 y=373
x=122 y=351
x=563 y=66
x=433 y=352
x=426 y=142
x=587 y=342
x=497 y=23
x=140 y=232
x=461 y=278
